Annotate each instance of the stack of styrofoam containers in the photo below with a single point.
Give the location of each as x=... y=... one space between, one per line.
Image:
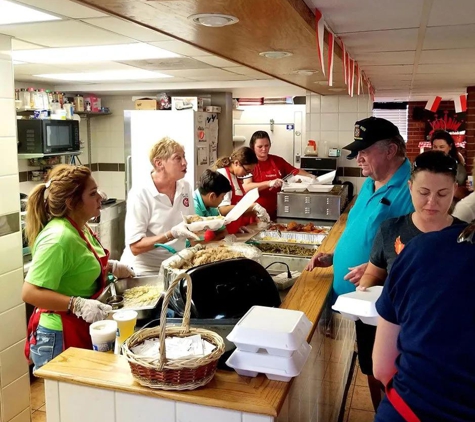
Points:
x=271 y=341
x=360 y=305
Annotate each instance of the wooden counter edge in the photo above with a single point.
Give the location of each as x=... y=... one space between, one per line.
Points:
x=227 y=390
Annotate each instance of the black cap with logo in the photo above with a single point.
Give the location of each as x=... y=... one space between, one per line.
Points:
x=368 y=132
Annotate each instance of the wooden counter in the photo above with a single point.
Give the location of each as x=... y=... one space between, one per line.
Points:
x=227 y=390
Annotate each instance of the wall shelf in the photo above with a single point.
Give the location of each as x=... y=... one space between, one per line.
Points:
x=40 y=155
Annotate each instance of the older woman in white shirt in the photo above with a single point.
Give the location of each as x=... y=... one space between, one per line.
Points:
x=465 y=209
x=154 y=210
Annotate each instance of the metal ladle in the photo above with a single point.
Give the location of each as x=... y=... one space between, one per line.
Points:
x=115 y=300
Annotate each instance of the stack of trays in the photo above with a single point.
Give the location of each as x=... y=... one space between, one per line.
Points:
x=271 y=341
x=360 y=305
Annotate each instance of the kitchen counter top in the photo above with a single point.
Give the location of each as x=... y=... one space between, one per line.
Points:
x=227 y=390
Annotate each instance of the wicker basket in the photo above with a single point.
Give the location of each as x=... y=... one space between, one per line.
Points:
x=183 y=374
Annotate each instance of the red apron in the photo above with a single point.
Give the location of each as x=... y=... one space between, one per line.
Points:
x=268 y=197
x=399 y=404
x=75 y=330
x=234 y=226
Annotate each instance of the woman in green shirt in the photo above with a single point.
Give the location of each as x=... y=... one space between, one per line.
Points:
x=69 y=267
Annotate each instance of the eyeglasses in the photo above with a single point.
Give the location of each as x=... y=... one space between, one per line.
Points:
x=245 y=169
x=437 y=162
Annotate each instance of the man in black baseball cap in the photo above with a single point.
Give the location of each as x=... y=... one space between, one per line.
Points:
x=381 y=155
x=371 y=130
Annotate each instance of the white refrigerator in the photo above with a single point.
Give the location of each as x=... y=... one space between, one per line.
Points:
x=196 y=131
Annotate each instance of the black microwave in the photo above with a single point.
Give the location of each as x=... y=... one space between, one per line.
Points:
x=41 y=136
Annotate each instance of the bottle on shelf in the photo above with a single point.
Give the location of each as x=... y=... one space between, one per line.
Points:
x=79 y=103
x=31 y=98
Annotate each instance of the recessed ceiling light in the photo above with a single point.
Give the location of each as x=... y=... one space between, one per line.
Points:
x=306 y=72
x=215 y=20
x=18 y=13
x=113 y=75
x=275 y=54
x=98 y=53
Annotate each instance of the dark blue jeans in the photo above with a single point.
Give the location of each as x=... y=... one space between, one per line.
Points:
x=49 y=344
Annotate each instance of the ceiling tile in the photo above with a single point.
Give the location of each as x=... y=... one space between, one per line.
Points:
x=176 y=63
x=466 y=68
x=21 y=45
x=445 y=12
x=368 y=15
x=385 y=58
x=37 y=69
x=247 y=71
x=448 y=37
x=128 y=29
x=180 y=47
x=63 y=34
x=462 y=55
x=216 y=61
x=374 y=41
x=64 y=8
x=388 y=70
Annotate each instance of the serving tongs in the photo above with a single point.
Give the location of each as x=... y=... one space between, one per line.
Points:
x=467 y=234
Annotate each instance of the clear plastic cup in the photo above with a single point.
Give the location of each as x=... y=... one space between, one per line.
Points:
x=126 y=320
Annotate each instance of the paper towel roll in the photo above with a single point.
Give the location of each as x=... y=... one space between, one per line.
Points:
x=239 y=139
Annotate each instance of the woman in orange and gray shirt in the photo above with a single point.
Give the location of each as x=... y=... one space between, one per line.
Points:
x=432 y=186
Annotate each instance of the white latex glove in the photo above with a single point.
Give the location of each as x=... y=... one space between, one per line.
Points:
x=261 y=213
x=120 y=270
x=90 y=310
x=276 y=183
x=180 y=230
x=230 y=239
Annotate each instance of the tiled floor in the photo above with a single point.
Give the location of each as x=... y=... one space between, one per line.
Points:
x=38 y=408
x=358 y=406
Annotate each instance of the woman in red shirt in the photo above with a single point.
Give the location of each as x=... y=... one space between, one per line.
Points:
x=268 y=173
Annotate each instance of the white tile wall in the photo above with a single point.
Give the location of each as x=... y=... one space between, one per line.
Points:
x=10 y=286
x=15 y=383
x=16 y=397
x=11 y=368
x=331 y=119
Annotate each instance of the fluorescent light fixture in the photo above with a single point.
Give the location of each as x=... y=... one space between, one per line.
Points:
x=216 y=20
x=112 y=75
x=275 y=54
x=306 y=72
x=18 y=13
x=90 y=54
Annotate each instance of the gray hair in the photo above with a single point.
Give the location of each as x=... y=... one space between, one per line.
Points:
x=395 y=140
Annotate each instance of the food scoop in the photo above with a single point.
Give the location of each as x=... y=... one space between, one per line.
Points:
x=115 y=300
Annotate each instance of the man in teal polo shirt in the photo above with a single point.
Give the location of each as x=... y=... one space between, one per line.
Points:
x=381 y=154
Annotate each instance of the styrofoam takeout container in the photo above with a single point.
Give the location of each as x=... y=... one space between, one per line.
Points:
x=294 y=187
x=320 y=188
x=216 y=223
x=327 y=178
x=279 y=331
x=360 y=305
x=277 y=368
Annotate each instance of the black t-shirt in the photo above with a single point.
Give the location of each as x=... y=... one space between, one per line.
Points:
x=392 y=236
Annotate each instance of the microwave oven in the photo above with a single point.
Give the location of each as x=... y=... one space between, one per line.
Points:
x=41 y=136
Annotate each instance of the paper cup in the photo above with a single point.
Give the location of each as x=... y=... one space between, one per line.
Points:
x=103 y=335
x=126 y=320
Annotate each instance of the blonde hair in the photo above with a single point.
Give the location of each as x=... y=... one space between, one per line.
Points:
x=164 y=149
x=48 y=200
x=244 y=155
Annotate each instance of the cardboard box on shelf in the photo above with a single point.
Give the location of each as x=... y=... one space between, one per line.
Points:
x=187 y=103
x=146 y=104
x=94 y=101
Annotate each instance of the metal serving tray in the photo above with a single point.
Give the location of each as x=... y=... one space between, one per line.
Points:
x=127 y=283
x=289 y=237
x=284 y=248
